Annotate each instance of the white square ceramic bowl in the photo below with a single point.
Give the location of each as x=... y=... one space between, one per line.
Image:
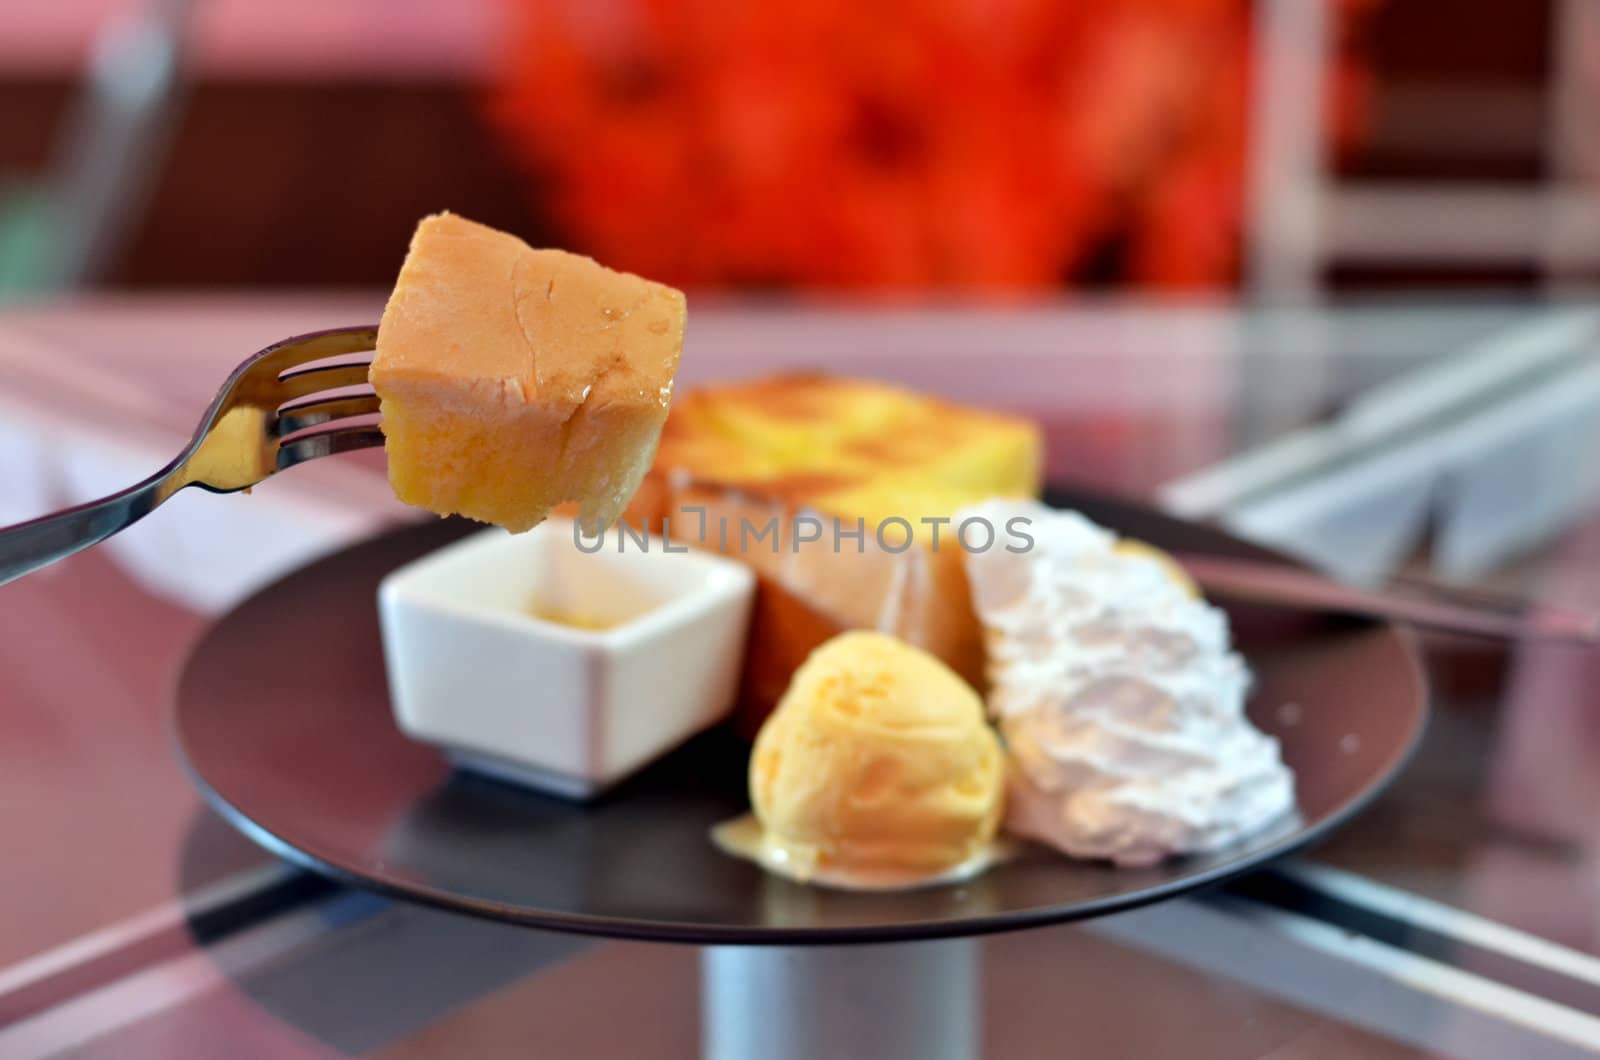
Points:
x=568 y=710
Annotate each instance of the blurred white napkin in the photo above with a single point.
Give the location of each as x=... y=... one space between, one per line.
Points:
x=1491 y=450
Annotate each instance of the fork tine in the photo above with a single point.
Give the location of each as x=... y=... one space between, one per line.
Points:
x=340 y=438
x=315 y=346
x=297 y=417
x=307 y=381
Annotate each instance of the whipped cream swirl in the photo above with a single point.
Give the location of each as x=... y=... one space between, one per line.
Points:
x=1119 y=697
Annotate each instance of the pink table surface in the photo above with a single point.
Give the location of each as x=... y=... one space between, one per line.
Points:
x=100 y=826
x=287 y=38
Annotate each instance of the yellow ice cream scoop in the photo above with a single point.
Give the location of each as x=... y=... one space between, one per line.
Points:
x=876 y=770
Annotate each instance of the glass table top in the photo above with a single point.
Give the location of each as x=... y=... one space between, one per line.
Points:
x=1460 y=915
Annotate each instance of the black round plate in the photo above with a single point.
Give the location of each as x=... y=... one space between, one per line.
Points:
x=282 y=715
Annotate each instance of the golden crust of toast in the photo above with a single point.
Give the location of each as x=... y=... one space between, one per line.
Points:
x=844 y=449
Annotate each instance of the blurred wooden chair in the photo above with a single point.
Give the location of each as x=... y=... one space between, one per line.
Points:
x=1304 y=219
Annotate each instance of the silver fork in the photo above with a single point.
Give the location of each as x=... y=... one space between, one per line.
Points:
x=276 y=410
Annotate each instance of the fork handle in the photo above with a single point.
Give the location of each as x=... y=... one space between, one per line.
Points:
x=25 y=547
x=1249 y=581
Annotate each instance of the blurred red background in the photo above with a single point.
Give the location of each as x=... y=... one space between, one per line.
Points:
x=908 y=145
x=1011 y=147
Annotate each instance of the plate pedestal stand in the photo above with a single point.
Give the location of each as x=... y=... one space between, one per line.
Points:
x=911 y=1000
